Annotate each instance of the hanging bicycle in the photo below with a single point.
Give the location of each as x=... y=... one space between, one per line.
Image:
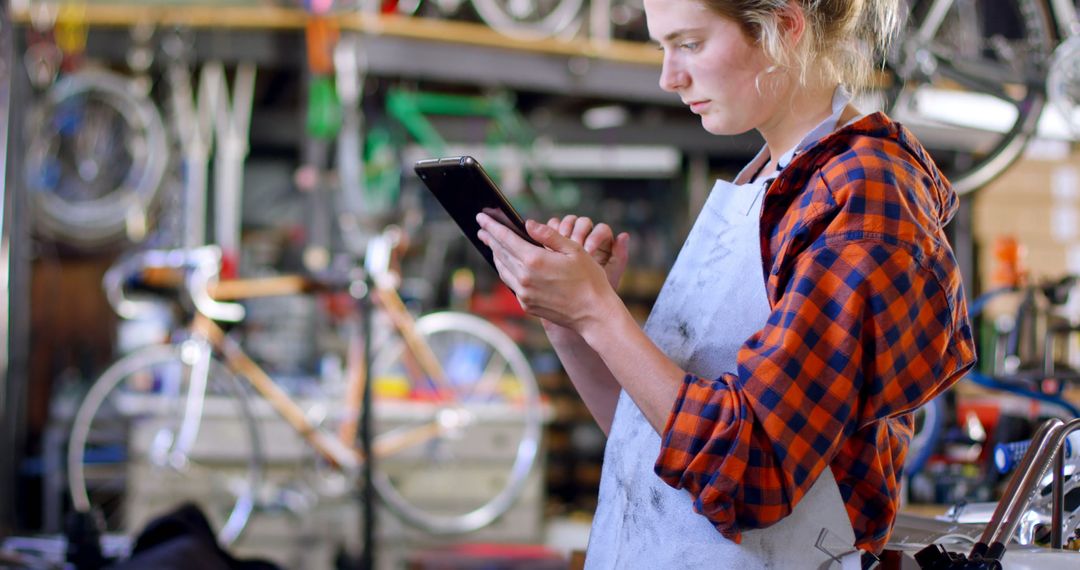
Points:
x=956 y=55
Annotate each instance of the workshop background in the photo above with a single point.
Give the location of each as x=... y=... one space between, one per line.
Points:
x=222 y=283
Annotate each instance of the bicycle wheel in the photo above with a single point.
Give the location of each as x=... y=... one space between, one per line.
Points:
x=529 y=18
x=1063 y=83
x=960 y=55
x=127 y=456
x=474 y=461
x=96 y=156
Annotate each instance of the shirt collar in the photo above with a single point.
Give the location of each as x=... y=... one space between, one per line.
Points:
x=840 y=99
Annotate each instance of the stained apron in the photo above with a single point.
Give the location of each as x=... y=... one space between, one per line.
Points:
x=713 y=300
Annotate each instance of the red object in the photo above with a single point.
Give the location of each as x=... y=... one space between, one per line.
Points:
x=339 y=304
x=502 y=308
x=988 y=412
x=500 y=302
x=229 y=263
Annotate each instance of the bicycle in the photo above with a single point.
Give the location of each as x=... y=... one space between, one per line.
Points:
x=454 y=374
x=965 y=52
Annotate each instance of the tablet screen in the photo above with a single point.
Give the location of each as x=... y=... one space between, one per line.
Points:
x=464 y=189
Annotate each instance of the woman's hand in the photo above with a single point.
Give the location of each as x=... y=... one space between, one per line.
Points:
x=560 y=282
x=599 y=241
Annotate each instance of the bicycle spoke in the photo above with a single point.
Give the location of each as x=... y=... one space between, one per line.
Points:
x=489 y=380
x=482 y=449
x=405 y=437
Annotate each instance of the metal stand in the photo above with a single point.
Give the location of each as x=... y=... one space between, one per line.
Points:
x=6 y=442
x=14 y=274
x=367 y=557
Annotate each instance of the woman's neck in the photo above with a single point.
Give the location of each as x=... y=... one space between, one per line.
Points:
x=806 y=108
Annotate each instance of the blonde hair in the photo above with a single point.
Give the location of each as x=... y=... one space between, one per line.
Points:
x=846 y=37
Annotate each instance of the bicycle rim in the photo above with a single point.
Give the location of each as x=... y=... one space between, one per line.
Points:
x=120 y=458
x=96 y=160
x=975 y=59
x=478 y=465
x=529 y=18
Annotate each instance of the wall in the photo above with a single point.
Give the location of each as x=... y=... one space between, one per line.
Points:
x=1037 y=201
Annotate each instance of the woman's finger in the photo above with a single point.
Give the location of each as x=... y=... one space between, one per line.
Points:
x=502 y=234
x=600 y=243
x=620 y=256
x=582 y=227
x=566 y=227
x=505 y=263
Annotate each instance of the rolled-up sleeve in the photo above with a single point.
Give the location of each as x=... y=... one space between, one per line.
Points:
x=861 y=334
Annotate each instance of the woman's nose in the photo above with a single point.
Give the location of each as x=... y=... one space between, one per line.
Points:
x=672 y=77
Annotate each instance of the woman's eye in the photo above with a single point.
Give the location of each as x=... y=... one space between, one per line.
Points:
x=689 y=46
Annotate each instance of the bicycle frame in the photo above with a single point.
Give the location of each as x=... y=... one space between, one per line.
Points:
x=338 y=450
x=1067 y=18
x=214 y=300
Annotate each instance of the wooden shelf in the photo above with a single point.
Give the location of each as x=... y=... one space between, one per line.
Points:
x=281 y=18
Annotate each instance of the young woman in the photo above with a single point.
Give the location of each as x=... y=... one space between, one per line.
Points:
x=762 y=416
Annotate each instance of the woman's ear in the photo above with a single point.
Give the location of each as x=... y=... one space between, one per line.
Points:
x=792 y=20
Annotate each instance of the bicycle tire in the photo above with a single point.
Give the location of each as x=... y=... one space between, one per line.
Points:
x=89 y=201
x=103 y=433
x=528 y=18
x=464 y=344
x=1005 y=69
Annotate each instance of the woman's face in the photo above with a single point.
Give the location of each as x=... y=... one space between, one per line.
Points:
x=711 y=65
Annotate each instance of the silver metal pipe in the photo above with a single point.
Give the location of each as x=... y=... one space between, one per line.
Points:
x=1021 y=487
x=1058 y=497
x=1057 y=513
x=1047 y=444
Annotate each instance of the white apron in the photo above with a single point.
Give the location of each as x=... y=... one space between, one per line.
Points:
x=713 y=300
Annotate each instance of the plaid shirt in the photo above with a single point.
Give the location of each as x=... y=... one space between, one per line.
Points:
x=868 y=321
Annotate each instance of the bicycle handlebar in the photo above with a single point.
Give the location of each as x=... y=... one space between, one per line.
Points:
x=119 y=274
x=202 y=265
x=207 y=266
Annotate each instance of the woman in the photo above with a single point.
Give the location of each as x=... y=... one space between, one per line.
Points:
x=762 y=416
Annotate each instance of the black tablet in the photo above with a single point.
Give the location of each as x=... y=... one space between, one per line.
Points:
x=464 y=189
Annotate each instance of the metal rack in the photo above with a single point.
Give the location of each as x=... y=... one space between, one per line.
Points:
x=416 y=48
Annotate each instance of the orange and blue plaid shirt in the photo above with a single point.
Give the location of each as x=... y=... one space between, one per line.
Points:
x=868 y=321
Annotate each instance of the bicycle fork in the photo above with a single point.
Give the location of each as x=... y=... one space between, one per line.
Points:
x=173 y=451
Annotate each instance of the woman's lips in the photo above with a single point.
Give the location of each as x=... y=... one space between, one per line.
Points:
x=698 y=106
